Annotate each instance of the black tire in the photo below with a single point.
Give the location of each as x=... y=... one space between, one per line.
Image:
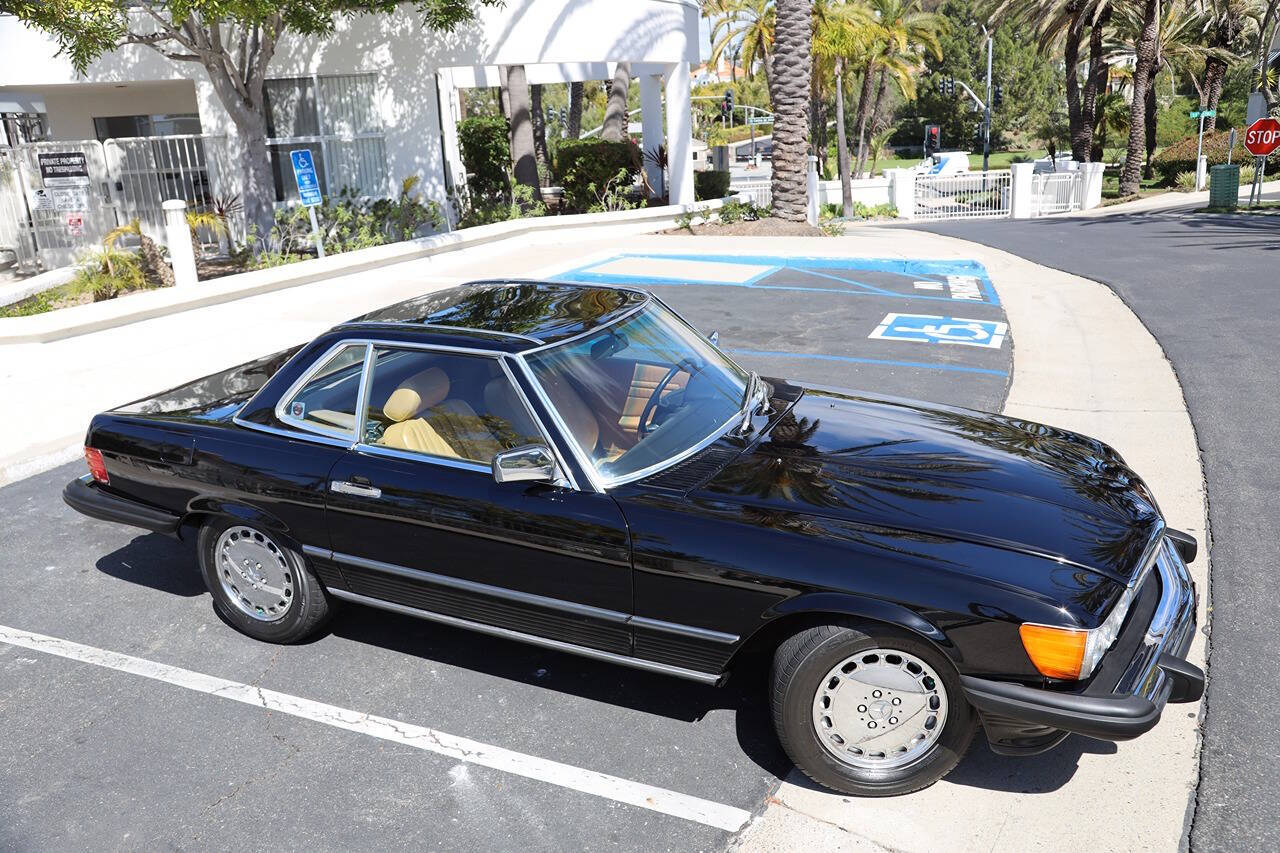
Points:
x=308 y=608
x=799 y=666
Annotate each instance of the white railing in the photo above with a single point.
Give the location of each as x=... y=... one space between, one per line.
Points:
x=761 y=191
x=1056 y=192
x=148 y=171
x=971 y=195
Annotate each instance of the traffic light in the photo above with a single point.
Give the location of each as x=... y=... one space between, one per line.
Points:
x=728 y=99
x=997 y=97
x=932 y=138
x=947 y=86
x=551 y=115
x=564 y=116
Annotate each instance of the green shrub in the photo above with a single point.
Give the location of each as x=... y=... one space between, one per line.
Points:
x=485 y=211
x=584 y=167
x=709 y=183
x=1181 y=156
x=486 y=152
x=107 y=273
x=1185 y=181
x=348 y=222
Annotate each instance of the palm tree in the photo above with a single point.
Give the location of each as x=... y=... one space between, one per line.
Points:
x=1146 y=56
x=615 y=109
x=748 y=29
x=840 y=30
x=1229 y=23
x=524 y=162
x=789 y=94
x=903 y=32
x=573 y=127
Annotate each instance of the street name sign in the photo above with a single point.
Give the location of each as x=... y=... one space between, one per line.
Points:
x=1262 y=137
x=1203 y=113
x=760 y=120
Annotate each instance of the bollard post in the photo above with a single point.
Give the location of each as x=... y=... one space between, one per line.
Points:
x=811 y=180
x=178 y=236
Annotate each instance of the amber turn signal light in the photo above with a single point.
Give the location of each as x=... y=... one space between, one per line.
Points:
x=1056 y=652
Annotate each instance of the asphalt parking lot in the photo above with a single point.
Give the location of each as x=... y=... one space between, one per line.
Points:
x=203 y=737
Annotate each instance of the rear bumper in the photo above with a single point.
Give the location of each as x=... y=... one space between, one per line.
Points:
x=86 y=497
x=1143 y=672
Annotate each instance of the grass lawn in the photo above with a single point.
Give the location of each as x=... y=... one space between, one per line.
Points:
x=1111 y=188
x=1267 y=207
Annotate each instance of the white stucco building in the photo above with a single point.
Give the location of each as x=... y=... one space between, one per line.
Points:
x=376 y=102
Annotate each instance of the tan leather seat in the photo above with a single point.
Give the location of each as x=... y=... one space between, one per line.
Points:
x=575 y=413
x=407 y=431
x=644 y=381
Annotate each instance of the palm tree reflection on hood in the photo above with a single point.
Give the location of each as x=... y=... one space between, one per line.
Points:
x=787 y=466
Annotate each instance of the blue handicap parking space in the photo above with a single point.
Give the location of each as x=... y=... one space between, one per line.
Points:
x=940 y=280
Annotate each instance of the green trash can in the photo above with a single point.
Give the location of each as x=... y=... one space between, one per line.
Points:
x=1224 y=185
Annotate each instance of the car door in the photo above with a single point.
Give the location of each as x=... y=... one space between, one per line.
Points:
x=416 y=518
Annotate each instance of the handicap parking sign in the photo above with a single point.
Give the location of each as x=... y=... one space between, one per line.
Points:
x=927 y=329
x=304 y=173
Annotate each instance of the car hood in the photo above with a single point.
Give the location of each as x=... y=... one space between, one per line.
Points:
x=949 y=472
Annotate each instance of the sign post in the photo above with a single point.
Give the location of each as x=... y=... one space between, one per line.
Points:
x=1200 y=170
x=1261 y=138
x=304 y=175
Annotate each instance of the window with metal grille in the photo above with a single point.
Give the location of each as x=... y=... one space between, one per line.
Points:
x=337 y=119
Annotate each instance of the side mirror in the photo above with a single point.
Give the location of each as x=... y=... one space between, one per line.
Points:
x=530 y=463
x=714 y=337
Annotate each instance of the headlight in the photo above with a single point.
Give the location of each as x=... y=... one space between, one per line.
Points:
x=1073 y=653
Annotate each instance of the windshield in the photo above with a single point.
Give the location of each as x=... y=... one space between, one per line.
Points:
x=639 y=393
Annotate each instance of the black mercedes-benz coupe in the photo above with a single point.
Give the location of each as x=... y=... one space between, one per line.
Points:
x=579 y=468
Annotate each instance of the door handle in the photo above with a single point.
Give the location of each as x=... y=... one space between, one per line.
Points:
x=343 y=487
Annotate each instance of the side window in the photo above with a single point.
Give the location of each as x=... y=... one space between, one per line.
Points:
x=327 y=401
x=452 y=406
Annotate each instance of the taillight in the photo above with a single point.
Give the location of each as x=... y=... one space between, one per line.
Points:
x=97 y=465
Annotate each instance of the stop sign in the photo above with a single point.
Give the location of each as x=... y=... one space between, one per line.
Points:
x=1262 y=137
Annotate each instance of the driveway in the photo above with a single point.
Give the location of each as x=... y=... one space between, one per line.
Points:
x=1206 y=287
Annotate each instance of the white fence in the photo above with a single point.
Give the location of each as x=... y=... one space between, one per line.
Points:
x=51 y=225
x=971 y=195
x=761 y=190
x=1056 y=192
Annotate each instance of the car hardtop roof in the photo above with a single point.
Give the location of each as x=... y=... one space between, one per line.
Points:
x=509 y=315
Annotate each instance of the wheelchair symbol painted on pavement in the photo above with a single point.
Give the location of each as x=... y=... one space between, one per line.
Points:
x=922 y=328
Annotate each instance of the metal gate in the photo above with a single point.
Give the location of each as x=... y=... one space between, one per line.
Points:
x=68 y=197
x=147 y=171
x=1056 y=192
x=15 y=220
x=970 y=195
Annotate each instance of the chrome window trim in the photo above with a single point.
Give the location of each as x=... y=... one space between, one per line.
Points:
x=414 y=456
x=412 y=325
x=314 y=437
x=711 y=678
x=284 y=417
x=565 y=472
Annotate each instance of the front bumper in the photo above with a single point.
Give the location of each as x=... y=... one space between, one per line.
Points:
x=1143 y=671
x=86 y=497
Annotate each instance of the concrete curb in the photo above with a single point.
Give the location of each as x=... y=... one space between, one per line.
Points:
x=24 y=288
x=82 y=319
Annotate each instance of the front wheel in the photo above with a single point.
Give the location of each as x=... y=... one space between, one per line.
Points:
x=869 y=711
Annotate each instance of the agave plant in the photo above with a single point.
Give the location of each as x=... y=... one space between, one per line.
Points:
x=154 y=268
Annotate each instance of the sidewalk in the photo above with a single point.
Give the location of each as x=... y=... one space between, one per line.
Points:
x=1171 y=200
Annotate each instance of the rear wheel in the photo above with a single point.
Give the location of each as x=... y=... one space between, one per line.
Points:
x=260 y=583
x=869 y=711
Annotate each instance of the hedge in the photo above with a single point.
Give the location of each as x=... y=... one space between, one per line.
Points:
x=709 y=183
x=1181 y=156
x=486 y=152
x=579 y=163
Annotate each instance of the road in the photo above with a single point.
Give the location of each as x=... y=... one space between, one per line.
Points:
x=1206 y=287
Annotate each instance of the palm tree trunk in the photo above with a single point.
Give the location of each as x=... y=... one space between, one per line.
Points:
x=1096 y=82
x=881 y=88
x=1215 y=73
x=524 y=162
x=1071 y=58
x=573 y=127
x=842 y=144
x=864 y=105
x=1143 y=72
x=818 y=122
x=539 y=131
x=615 y=111
x=789 y=93
x=1147 y=171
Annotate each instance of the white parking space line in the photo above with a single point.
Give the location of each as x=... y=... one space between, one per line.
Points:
x=620 y=790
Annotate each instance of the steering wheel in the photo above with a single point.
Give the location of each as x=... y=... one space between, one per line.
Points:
x=642 y=427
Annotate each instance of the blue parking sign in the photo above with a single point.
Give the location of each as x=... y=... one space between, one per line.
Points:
x=304 y=174
x=928 y=329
